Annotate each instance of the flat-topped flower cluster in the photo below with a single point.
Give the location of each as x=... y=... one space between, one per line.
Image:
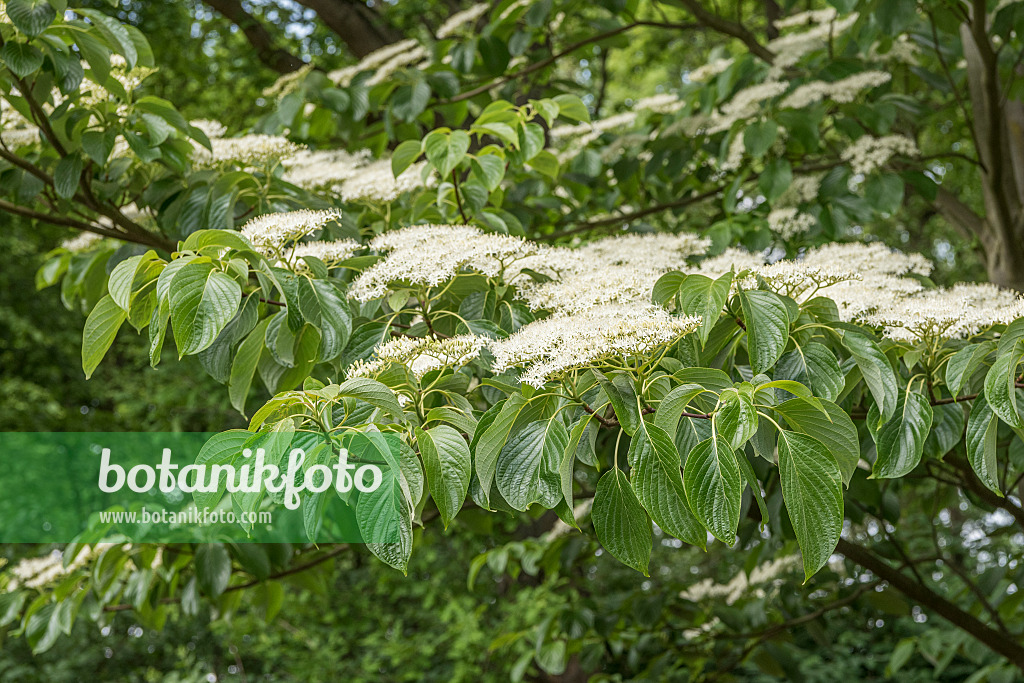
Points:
x=594 y=302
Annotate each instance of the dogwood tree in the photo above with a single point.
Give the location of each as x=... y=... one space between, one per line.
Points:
x=655 y=320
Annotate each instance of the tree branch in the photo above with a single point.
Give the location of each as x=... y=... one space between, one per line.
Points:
x=275 y=57
x=730 y=28
x=965 y=621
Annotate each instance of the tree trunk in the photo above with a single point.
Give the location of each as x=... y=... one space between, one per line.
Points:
x=361 y=28
x=998 y=129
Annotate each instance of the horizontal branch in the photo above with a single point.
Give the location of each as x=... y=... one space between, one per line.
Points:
x=469 y=94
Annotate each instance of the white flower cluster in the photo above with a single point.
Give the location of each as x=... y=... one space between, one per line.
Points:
x=81 y=242
x=956 y=313
x=744 y=105
x=323 y=168
x=460 y=19
x=804 y=188
x=253 y=150
x=620 y=269
x=375 y=183
x=788 y=222
x=212 y=129
x=331 y=253
x=881 y=272
x=868 y=153
x=708 y=71
x=272 y=231
x=383 y=62
x=420 y=354
x=433 y=254
x=798 y=279
x=40 y=572
x=824 y=26
x=662 y=103
x=15 y=130
x=546 y=349
x=741 y=584
x=842 y=91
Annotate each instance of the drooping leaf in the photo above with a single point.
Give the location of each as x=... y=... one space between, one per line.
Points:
x=900 y=441
x=714 y=487
x=813 y=492
x=447 y=463
x=767 y=321
x=621 y=524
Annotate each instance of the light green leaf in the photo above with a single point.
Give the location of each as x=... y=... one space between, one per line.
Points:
x=100 y=329
x=202 y=301
x=620 y=522
x=704 y=297
x=714 y=488
x=674 y=404
x=445 y=150
x=244 y=366
x=405 y=155
x=813 y=492
x=572 y=107
x=490 y=442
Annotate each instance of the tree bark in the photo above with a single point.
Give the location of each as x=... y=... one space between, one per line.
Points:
x=277 y=58
x=998 y=128
x=361 y=28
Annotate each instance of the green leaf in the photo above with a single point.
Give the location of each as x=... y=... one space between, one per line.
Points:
x=326 y=308
x=22 y=59
x=405 y=154
x=656 y=477
x=836 y=430
x=813 y=492
x=445 y=150
x=714 y=488
x=244 y=366
x=213 y=568
x=114 y=33
x=775 y=179
x=372 y=392
x=620 y=522
x=527 y=468
x=409 y=101
x=203 y=301
x=1013 y=333
x=490 y=169
x=736 y=418
x=31 y=17
x=100 y=329
x=545 y=162
x=487 y=444
x=447 y=462
x=963 y=364
x=767 y=321
x=878 y=374
x=623 y=398
x=67 y=175
x=759 y=137
x=982 y=428
x=704 y=297
x=815 y=365
x=947 y=430
x=572 y=107
x=674 y=404
x=1000 y=386
x=900 y=441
